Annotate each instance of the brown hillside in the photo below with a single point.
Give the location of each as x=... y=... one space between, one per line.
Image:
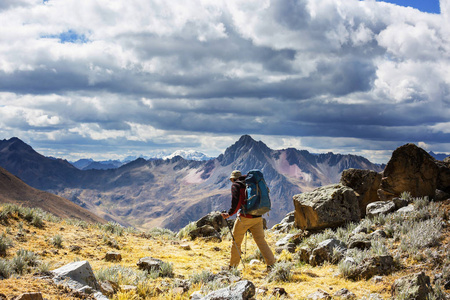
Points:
x=13 y=190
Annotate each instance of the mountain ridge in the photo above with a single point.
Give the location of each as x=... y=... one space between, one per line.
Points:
x=173 y=192
x=15 y=191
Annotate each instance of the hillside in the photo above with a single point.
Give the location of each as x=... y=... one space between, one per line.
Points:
x=171 y=193
x=195 y=265
x=13 y=190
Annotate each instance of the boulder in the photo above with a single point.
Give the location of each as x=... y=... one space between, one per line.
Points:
x=328 y=206
x=319 y=295
x=286 y=224
x=213 y=219
x=360 y=241
x=369 y=267
x=205 y=231
x=109 y=288
x=149 y=264
x=344 y=294
x=410 y=169
x=407 y=209
x=400 y=202
x=324 y=252
x=80 y=272
x=364 y=182
x=380 y=207
x=241 y=290
x=416 y=286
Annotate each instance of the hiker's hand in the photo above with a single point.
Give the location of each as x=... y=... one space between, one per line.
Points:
x=225 y=215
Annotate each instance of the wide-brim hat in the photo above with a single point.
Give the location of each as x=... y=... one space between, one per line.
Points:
x=235 y=174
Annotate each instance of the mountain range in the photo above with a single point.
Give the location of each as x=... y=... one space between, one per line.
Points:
x=172 y=192
x=90 y=164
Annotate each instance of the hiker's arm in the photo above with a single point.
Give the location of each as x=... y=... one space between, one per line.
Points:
x=234 y=200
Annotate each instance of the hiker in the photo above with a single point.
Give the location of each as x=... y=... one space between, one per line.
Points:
x=245 y=222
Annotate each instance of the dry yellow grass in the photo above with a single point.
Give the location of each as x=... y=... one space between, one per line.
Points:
x=133 y=246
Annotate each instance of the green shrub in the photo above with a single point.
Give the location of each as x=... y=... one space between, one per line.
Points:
x=184 y=232
x=18 y=264
x=281 y=272
x=204 y=276
x=114 y=228
x=29 y=257
x=161 y=232
x=121 y=275
x=421 y=234
x=111 y=242
x=378 y=247
x=5 y=244
x=5 y=268
x=406 y=195
x=57 y=241
x=37 y=221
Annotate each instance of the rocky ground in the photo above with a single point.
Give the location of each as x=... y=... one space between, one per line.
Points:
x=33 y=244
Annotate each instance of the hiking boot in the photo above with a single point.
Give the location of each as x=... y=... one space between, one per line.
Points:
x=225 y=268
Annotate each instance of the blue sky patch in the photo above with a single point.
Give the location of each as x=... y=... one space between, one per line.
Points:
x=72 y=37
x=429 y=6
x=69 y=36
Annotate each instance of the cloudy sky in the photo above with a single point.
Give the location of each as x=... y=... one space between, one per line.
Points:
x=107 y=79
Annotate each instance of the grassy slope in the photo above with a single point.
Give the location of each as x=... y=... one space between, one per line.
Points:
x=203 y=256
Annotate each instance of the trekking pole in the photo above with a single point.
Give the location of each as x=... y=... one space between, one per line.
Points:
x=235 y=244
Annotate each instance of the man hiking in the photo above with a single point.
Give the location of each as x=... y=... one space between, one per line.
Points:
x=245 y=222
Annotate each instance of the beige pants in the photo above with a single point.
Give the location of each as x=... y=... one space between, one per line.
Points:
x=255 y=225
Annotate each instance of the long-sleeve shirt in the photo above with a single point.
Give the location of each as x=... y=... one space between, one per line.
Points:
x=237 y=195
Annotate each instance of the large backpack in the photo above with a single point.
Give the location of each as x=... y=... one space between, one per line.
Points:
x=258 y=200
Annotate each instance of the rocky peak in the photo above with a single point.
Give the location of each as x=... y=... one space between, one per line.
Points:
x=245 y=146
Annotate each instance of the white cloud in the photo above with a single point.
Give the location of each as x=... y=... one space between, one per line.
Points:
x=165 y=73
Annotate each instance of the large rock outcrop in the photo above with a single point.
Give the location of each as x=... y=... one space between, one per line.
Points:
x=328 y=206
x=410 y=169
x=365 y=183
x=443 y=180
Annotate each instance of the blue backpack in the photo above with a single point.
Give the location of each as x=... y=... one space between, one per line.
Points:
x=258 y=200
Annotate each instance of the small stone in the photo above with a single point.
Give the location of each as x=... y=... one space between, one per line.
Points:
x=185 y=247
x=345 y=294
x=113 y=256
x=279 y=291
x=320 y=294
x=74 y=248
x=30 y=296
x=197 y=295
x=377 y=279
x=254 y=262
x=178 y=290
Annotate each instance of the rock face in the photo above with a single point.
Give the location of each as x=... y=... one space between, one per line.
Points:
x=328 y=206
x=410 y=169
x=443 y=181
x=363 y=182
